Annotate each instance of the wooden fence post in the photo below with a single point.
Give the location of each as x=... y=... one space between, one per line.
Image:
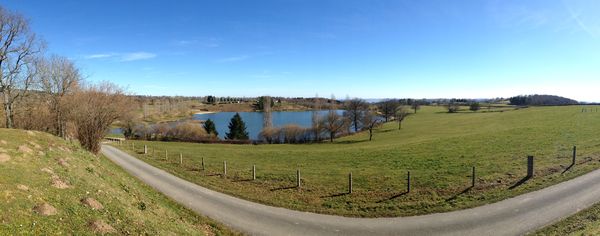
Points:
x=166 y=155
x=180 y=159
x=298 y=183
x=350 y=183
x=145 y=149
x=203 y=163
x=224 y=168
x=408 y=182
x=529 y=166
x=473 y=178
x=253 y=172
x=574 y=155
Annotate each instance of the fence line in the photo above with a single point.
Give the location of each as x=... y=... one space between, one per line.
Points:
x=299 y=185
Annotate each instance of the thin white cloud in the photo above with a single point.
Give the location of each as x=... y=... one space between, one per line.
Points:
x=234 y=59
x=131 y=56
x=577 y=18
x=136 y=56
x=207 y=42
x=99 y=56
x=185 y=42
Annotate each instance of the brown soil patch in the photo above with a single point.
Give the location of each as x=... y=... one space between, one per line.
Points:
x=23 y=187
x=92 y=203
x=4 y=157
x=101 y=227
x=64 y=149
x=59 y=183
x=47 y=170
x=45 y=209
x=35 y=145
x=3 y=142
x=207 y=230
x=24 y=149
x=63 y=162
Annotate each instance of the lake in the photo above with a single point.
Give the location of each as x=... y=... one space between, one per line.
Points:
x=254 y=120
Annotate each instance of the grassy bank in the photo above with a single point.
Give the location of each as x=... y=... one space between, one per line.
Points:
x=438 y=148
x=48 y=186
x=586 y=222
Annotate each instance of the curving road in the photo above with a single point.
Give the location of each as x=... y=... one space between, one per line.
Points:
x=514 y=216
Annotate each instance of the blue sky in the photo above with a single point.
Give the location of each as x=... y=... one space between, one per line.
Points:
x=370 y=49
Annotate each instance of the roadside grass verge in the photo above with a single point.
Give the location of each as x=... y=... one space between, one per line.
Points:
x=439 y=149
x=586 y=222
x=49 y=186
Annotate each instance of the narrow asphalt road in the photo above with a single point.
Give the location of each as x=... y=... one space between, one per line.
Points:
x=514 y=216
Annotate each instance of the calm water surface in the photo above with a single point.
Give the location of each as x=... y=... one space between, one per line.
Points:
x=254 y=120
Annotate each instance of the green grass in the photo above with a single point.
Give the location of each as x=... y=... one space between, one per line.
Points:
x=586 y=222
x=130 y=207
x=438 y=148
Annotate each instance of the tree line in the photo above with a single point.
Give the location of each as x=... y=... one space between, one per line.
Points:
x=541 y=100
x=48 y=92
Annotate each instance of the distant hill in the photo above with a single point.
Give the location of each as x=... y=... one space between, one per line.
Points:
x=541 y=100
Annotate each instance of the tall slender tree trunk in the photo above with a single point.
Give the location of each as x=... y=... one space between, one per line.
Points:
x=9 y=116
x=8 y=111
x=370 y=134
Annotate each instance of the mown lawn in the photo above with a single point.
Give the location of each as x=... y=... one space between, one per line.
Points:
x=439 y=149
x=51 y=187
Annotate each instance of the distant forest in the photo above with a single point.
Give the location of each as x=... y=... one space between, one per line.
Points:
x=541 y=100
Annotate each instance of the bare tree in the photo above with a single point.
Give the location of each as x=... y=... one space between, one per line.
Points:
x=18 y=50
x=452 y=107
x=388 y=108
x=333 y=122
x=316 y=124
x=95 y=108
x=415 y=105
x=475 y=106
x=355 y=111
x=267 y=118
x=370 y=121
x=401 y=113
x=58 y=77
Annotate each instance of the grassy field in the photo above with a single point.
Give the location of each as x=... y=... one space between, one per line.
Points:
x=50 y=187
x=438 y=148
x=586 y=222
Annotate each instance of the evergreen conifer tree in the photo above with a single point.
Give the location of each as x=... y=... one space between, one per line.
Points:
x=237 y=129
x=210 y=127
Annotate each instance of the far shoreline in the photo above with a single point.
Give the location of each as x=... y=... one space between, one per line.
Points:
x=204 y=112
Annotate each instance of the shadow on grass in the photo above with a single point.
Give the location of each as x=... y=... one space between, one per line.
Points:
x=522 y=181
x=352 y=141
x=242 y=180
x=393 y=197
x=386 y=131
x=458 y=194
x=283 y=188
x=568 y=168
x=335 y=195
